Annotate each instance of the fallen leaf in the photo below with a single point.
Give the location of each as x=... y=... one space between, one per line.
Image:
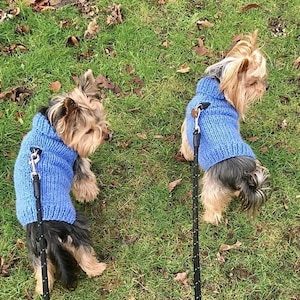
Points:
x=124 y=145
x=55 y=86
x=283 y=124
x=249 y=6
x=182 y=278
x=86 y=55
x=141 y=136
x=92 y=30
x=225 y=247
x=5 y=266
x=297 y=63
x=73 y=41
x=87 y=8
x=204 y=24
x=22 y=29
x=19 y=95
x=20 y=244
x=18 y=117
x=221 y=258
x=129 y=69
x=116 y=15
x=158 y=136
x=264 y=149
x=252 y=138
x=179 y=157
x=105 y=82
x=184 y=68
x=173 y=184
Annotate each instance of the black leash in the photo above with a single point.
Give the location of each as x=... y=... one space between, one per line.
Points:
x=35 y=176
x=196 y=139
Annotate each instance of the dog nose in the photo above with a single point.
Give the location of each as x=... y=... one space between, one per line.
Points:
x=266 y=86
x=108 y=136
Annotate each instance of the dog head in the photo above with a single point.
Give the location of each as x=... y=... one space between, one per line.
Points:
x=242 y=73
x=79 y=117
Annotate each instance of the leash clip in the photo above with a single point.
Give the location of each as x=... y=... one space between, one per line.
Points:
x=34 y=159
x=196 y=114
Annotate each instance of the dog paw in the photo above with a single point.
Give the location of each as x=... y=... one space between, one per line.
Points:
x=97 y=270
x=85 y=191
x=212 y=218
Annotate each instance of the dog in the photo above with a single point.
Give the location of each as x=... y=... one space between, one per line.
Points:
x=230 y=166
x=68 y=130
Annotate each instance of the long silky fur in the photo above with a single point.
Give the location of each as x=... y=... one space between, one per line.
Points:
x=56 y=233
x=245 y=175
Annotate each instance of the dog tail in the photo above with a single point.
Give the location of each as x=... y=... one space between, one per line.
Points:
x=253 y=188
x=65 y=264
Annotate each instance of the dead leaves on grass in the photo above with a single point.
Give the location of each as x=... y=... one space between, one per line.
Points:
x=221 y=255
x=20 y=95
x=173 y=184
x=115 y=16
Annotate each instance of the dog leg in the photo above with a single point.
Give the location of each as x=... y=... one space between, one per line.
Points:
x=86 y=258
x=38 y=275
x=84 y=186
x=185 y=148
x=215 y=199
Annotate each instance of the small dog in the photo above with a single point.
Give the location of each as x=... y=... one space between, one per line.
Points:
x=66 y=132
x=230 y=166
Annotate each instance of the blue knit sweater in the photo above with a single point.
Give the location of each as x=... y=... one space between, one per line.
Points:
x=220 y=138
x=56 y=171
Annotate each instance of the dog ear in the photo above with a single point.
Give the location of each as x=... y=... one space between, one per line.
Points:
x=87 y=84
x=244 y=64
x=70 y=105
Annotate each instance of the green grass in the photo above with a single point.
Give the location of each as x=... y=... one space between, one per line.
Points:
x=141 y=230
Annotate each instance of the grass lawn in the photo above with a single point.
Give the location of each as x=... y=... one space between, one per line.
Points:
x=140 y=229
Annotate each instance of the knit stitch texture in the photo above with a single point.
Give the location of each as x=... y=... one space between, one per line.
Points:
x=220 y=138
x=56 y=174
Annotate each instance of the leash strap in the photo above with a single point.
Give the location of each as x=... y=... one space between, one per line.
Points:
x=35 y=176
x=196 y=140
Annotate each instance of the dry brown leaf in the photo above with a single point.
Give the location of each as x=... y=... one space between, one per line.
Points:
x=264 y=149
x=124 y=145
x=173 y=184
x=73 y=41
x=204 y=24
x=129 y=69
x=252 y=138
x=297 y=63
x=92 y=30
x=179 y=157
x=225 y=247
x=20 y=244
x=22 y=29
x=182 y=278
x=116 y=15
x=136 y=80
x=184 y=68
x=249 y=6
x=105 y=82
x=141 y=136
x=283 y=124
x=165 y=44
x=85 y=55
x=55 y=86
x=158 y=136
x=221 y=258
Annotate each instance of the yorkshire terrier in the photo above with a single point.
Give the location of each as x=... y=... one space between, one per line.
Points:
x=66 y=132
x=230 y=166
